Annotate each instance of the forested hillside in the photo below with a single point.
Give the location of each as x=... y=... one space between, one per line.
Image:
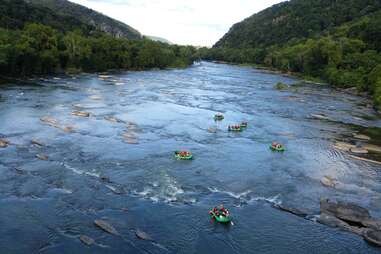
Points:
x=35 y=39
x=15 y=14
x=337 y=41
x=294 y=20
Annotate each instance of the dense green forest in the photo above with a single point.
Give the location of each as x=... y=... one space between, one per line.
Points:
x=37 y=40
x=336 y=41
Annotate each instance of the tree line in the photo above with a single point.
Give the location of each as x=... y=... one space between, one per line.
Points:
x=41 y=49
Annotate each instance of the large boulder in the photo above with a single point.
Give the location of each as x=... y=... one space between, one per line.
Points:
x=348 y=212
x=373 y=236
x=105 y=226
x=361 y=136
x=3 y=143
x=334 y=222
x=86 y=240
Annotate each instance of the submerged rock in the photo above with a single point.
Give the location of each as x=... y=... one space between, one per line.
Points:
x=37 y=142
x=106 y=227
x=95 y=97
x=80 y=113
x=291 y=210
x=113 y=119
x=373 y=236
x=212 y=130
x=328 y=181
x=50 y=121
x=143 y=235
x=68 y=129
x=130 y=138
x=86 y=240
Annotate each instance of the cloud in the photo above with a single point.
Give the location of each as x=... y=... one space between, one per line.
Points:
x=196 y=22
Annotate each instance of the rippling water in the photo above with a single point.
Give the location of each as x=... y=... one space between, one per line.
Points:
x=122 y=157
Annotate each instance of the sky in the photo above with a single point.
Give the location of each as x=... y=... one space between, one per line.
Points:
x=186 y=22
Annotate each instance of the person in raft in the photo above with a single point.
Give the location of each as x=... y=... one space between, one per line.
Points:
x=276 y=145
x=184 y=153
x=221 y=211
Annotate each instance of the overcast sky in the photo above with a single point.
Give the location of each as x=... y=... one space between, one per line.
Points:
x=194 y=22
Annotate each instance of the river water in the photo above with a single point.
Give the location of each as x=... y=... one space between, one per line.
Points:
x=118 y=165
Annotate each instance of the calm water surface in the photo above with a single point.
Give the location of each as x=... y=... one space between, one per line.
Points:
x=122 y=157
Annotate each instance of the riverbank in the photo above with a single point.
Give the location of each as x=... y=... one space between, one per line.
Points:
x=304 y=78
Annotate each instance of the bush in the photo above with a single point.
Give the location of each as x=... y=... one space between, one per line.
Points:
x=281 y=86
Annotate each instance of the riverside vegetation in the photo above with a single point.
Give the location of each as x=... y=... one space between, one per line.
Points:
x=35 y=39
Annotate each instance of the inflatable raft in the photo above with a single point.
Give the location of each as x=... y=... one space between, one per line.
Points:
x=244 y=125
x=277 y=149
x=183 y=155
x=237 y=128
x=218 y=117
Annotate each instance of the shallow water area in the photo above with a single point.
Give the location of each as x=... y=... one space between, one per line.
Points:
x=118 y=164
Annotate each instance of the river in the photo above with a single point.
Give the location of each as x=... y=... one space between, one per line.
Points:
x=118 y=165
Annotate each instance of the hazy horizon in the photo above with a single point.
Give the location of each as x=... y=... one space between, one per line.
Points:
x=180 y=21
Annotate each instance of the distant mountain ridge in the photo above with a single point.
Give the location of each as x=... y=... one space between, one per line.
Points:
x=159 y=39
x=62 y=15
x=90 y=17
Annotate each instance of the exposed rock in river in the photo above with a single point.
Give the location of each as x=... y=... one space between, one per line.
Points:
x=113 y=119
x=350 y=217
x=358 y=150
x=106 y=227
x=143 y=235
x=50 y=121
x=334 y=222
x=291 y=210
x=364 y=159
x=373 y=236
x=54 y=123
x=345 y=211
x=130 y=138
x=361 y=137
x=86 y=240
x=372 y=148
x=3 y=143
x=343 y=146
x=80 y=113
x=319 y=117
